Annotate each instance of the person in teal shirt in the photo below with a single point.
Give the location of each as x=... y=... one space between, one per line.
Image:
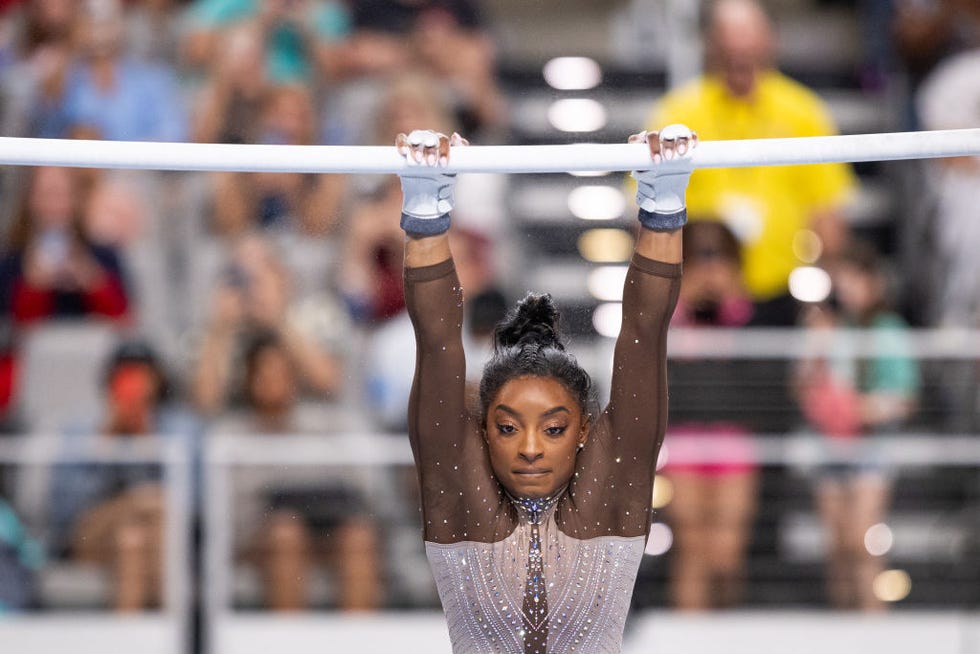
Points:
x=294 y=31
x=863 y=389
x=20 y=558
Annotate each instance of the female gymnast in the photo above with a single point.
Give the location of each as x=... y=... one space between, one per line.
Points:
x=535 y=512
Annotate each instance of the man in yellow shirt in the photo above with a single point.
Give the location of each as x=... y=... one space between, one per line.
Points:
x=784 y=216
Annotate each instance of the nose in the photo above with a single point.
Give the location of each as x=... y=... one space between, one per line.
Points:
x=530 y=449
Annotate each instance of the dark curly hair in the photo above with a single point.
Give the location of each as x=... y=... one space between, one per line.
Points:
x=527 y=343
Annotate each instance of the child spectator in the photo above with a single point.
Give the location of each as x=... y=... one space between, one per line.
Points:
x=850 y=397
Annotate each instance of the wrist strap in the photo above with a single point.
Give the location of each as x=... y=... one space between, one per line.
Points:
x=663 y=222
x=419 y=227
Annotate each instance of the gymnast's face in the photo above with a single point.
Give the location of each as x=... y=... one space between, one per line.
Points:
x=534 y=428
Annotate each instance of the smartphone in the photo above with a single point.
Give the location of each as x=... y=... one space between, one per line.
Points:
x=53 y=247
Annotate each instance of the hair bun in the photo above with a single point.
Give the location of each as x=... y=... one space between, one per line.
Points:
x=535 y=320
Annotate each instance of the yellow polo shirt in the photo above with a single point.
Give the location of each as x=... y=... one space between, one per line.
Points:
x=765 y=207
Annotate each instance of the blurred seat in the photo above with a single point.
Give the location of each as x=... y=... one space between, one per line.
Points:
x=61 y=372
x=74 y=586
x=60 y=385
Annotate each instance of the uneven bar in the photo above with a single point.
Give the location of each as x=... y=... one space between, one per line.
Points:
x=484 y=159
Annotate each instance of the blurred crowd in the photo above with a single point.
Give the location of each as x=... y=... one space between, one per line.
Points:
x=271 y=303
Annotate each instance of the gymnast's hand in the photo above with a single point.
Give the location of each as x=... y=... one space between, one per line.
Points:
x=427 y=192
x=660 y=193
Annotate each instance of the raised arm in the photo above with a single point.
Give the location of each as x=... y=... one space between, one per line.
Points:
x=621 y=454
x=450 y=456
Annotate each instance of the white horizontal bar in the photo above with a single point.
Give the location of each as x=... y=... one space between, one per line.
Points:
x=483 y=159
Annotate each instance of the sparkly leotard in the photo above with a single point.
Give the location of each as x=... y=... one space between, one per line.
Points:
x=537 y=576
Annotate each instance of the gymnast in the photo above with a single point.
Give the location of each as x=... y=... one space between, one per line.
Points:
x=535 y=511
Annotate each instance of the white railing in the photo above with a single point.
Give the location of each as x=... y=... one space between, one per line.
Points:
x=166 y=632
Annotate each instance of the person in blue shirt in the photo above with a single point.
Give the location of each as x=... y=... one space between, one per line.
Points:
x=121 y=97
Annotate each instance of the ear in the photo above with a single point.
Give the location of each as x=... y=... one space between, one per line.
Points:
x=583 y=434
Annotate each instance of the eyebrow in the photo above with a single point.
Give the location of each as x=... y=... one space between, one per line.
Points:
x=517 y=414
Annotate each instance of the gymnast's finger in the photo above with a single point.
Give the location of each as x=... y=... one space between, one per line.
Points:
x=655 y=145
x=639 y=137
x=668 y=146
x=401 y=144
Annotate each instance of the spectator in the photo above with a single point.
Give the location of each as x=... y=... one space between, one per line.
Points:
x=305 y=203
x=52 y=269
x=231 y=100
x=444 y=37
x=950 y=99
x=713 y=503
x=35 y=63
x=296 y=34
x=287 y=517
x=8 y=375
x=850 y=398
x=20 y=558
x=122 y=97
x=254 y=295
x=152 y=30
x=371 y=277
x=742 y=97
x=112 y=514
x=926 y=33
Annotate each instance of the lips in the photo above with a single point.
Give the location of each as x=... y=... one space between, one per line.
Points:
x=531 y=471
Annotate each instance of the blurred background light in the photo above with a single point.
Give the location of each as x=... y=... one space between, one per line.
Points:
x=809 y=284
x=607 y=319
x=663 y=492
x=878 y=539
x=892 y=585
x=660 y=540
x=807 y=246
x=596 y=202
x=663 y=458
x=605 y=245
x=572 y=73
x=577 y=115
x=606 y=283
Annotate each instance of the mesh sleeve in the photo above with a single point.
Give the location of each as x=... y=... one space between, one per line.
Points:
x=613 y=484
x=461 y=499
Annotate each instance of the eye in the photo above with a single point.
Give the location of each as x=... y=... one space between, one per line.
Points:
x=506 y=429
x=557 y=430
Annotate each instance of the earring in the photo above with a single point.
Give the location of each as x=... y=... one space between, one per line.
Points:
x=581 y=445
